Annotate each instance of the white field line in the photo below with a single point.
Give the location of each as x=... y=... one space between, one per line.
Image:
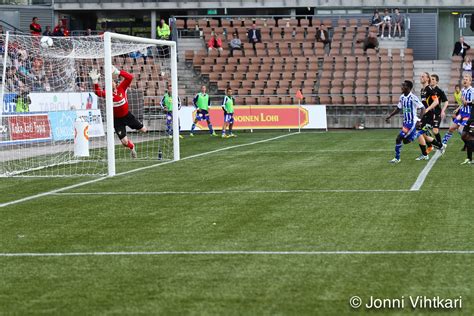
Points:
x=316 y=151
x=217 y=253
x=36 y=196
x=228 y=192
x=424 y=173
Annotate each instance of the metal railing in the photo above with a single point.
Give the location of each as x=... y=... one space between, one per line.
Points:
x=84 y=33
x=464 y=24
x=8 y=27
x=197 y=34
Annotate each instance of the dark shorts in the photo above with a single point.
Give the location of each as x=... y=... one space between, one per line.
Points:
x=121 y=123
x=229 y=118
x=469 y=127
x=436 y=120
x=427 y=119
x=202 y=115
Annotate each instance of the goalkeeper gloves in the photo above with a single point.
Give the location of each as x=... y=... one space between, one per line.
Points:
x=94 y=75
x=115 y=71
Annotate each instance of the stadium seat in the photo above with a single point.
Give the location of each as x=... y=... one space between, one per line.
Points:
x=274 y=100
x=269 y=91
x=348 y=95
x=385 y=97
x=192 y=24
x=336 y=95
x=360 y=95
x=372 y=96
x=353 y=22
x=304 y=23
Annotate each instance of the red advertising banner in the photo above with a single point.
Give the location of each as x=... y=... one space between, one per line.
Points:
x=29 y=127
x=261 y=117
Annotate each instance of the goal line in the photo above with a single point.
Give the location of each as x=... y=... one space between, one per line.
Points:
x=239 y=252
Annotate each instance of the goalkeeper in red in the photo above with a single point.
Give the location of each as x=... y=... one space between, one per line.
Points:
x=122 y=116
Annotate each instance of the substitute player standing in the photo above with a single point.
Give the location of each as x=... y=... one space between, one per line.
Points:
x=122 y=116
x=167 y=105
x=228 y=107
x=202 y=102
x=408 y=104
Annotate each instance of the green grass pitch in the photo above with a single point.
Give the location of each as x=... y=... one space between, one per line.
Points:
x=308 y=192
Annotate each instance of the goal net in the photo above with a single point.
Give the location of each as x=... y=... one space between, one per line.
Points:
x=55 y=121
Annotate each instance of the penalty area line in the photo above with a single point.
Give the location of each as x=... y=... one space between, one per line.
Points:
x=52 y=192
x=424 y=173
x=230 y=192
x=216 y=253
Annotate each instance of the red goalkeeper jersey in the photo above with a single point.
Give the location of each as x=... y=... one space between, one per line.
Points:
x=120 y=96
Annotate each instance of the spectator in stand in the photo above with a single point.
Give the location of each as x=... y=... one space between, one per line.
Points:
x=387 y=22
x=60 y=29
x=254 y=36
x=19 y=56
x=39 y=74
x=88 y=32
x=163 y=30
x=13 y=82
x=25 y=71
x=58 y=32
x=322 y=35
x=215 y=43
x=397 y=23
x=376 y=20
x=460 y=48
x=81 y=82
x=46 y=85
x=236 y=44
x=457 y=97
x=1 y=41
x=35 y=28
x=371 y=42
x=48 y=32
x=467 y=65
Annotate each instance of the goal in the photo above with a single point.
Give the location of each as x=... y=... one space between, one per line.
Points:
x=54 y=124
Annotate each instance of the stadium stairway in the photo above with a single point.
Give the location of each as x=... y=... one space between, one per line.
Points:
x=399 y=43
x=188 y=80
x=441 y=67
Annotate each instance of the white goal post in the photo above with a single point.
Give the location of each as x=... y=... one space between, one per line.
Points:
x=57 y=118
x=108 y=36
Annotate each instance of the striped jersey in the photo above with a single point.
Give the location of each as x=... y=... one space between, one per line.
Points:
x=468 y=95
x=409 y=104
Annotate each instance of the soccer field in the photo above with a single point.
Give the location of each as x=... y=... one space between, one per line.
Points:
x=266 y=223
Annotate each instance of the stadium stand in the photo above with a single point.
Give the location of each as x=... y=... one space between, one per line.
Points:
x=289 y=58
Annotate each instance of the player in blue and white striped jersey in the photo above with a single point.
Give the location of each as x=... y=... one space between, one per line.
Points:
x=463 y=112
x=409 y=105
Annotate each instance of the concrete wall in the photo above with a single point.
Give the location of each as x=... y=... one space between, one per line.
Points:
x=20 y=16
x=320 y=4
x=448 y=34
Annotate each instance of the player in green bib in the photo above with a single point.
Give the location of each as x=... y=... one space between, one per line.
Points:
x=228 y=107
x=202 y=102
x=167 y=105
